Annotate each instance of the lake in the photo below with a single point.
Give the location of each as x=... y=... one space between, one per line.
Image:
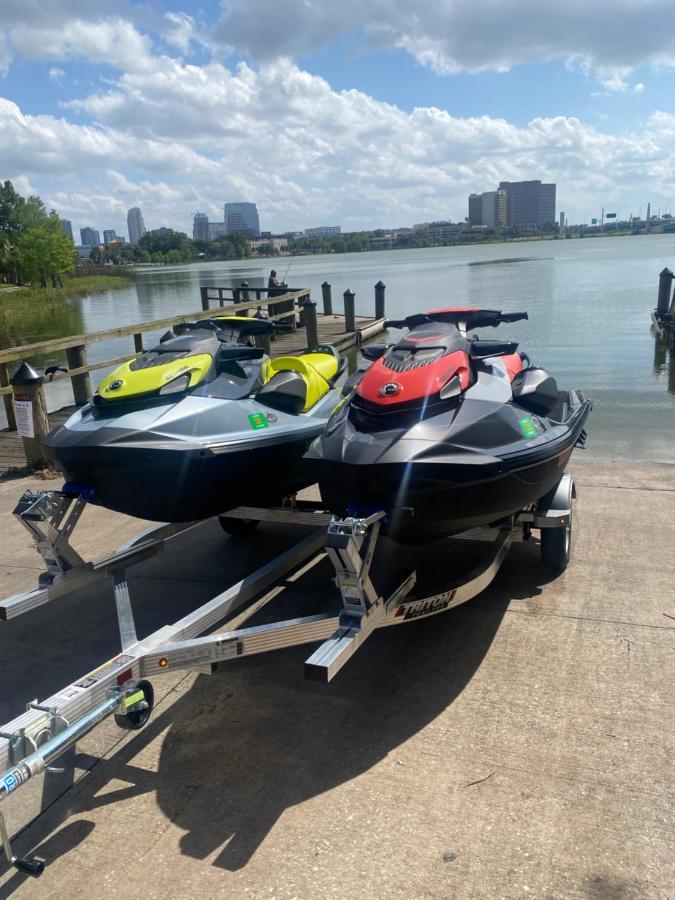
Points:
x=589 y=303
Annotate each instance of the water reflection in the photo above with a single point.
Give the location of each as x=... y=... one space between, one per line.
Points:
x=664 y=362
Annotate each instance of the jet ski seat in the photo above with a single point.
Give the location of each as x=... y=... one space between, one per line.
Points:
x=311 y=367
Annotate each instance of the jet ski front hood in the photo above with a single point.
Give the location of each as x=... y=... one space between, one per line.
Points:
x=475 y=432
x=195 y=422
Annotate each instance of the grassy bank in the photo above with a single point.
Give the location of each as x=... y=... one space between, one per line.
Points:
x=79 y=286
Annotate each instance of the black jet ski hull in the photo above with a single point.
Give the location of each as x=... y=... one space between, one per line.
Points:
x=428 y=501
x=180 y=484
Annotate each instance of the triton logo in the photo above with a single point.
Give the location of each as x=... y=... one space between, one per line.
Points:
x=389 y=389
x=115 y=385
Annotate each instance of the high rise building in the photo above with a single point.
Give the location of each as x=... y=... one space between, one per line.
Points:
x=529 y=204
x=488 y=208
x=562 y=221
x=89 y=237
x=242 y=217
x=475 y=209
x=67 y=227
x=200 y=227
x=109 y=235
x=135 y=224
x=323 y=232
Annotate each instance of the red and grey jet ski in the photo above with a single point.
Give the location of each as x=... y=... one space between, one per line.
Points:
x=445 y=432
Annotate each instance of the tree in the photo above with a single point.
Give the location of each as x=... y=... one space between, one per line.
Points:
x=46 y=252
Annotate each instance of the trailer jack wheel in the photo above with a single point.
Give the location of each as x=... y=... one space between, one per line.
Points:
x=238 y=528
x=135 y=706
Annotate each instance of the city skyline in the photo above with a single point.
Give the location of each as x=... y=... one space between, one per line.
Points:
x=388 y=120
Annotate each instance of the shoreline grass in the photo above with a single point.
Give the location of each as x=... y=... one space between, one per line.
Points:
x=78 y=286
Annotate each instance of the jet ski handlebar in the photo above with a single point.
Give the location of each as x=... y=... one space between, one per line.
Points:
x=470 y=318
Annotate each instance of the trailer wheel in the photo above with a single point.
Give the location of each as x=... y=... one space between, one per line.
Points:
x=238 y=528
x=556 y=546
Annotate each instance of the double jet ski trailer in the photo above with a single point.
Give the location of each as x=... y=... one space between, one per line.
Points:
x=216 y=631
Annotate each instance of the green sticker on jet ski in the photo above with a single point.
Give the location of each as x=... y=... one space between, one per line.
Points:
x=257 y=421
x=528 y=427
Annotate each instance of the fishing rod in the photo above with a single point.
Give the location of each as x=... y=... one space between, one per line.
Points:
x=283 y=280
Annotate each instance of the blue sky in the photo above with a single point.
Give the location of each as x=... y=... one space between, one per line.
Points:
x=364 y=114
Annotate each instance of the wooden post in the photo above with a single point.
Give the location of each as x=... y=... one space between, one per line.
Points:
x=327 y=299
x=31 y=409
x=263 y=341
x=138 y=342
x=311 y=326
x=76 y=357
x=665 y=285
x=244 y=297
x=350 y=307
x=236 y=298
x=379 y=300
x=204 y=291
x=9 y=403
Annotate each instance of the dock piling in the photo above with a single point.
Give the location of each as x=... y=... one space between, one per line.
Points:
x=379 y=299
x=665 y=285
x=7 y=398
x=31 y=411
x=204 y=291
x=138 y=342
x=327 y=299
x=311 y=325
x=350 y=310
x=77 y=359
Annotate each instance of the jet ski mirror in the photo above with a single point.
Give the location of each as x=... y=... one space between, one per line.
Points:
x=375 y=351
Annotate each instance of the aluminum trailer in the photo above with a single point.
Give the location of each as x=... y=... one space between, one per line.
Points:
x=30 y=743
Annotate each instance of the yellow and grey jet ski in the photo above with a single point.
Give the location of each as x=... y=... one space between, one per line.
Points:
x=202 y=422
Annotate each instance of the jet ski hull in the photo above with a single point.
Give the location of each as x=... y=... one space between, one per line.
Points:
x=428 y=501
x=179 y=482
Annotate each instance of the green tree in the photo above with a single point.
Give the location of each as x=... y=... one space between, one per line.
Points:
x=46 y=252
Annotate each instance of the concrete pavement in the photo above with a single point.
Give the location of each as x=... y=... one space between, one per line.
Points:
x=519 y=746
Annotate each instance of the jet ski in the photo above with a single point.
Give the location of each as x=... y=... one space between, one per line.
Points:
x=446 y=432
x=202 y=422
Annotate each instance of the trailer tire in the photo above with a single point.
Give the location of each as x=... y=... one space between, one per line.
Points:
x=238 y=528
x=556 y=546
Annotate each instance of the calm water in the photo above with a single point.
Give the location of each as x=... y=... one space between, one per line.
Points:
x=589 y=303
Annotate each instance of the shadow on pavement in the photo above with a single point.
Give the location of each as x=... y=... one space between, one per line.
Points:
x=243 y=746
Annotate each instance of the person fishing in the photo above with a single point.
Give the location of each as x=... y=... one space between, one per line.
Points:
x=273 y=282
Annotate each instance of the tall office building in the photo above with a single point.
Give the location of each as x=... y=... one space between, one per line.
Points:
x=242 y=217
x=109 y=235
x=200 y=227
x=89 y=237
x=475 y=209
x=135 y=224
x=488 y=208
x=529 y=204
x=67 y=227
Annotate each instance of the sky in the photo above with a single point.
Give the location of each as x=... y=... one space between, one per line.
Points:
x=362 y=113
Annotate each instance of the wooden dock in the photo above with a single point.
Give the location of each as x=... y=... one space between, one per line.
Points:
x=330 y=330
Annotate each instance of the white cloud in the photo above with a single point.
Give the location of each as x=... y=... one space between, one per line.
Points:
x=455 y=35
x=56 y=74
x=638 y=88
x=174 y=138
x=113 y=41
x=179 y=30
